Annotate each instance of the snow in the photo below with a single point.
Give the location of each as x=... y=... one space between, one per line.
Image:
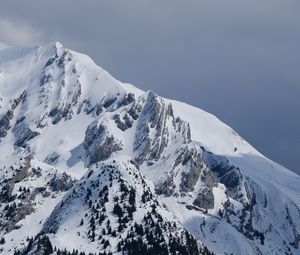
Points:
x=209 y=131
x=74 y=82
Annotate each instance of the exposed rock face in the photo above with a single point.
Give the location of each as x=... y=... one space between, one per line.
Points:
x=153 y=114
x=208 y=178
x=98 y=143
x=23 y=133
x=127 y=99
x=8 y=116
x=61 y=182
x=205 y=199
x=22 y=172
x=119 y=123
x=159 y=131
x=231 y=177
x=5 y=123
x=52 y=158
x=196 y=177
x=13 y=214
x=167 y=187
x=24 y=187
x=196 y=166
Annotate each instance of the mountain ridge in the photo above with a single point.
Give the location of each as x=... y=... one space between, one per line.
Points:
x=68 y=129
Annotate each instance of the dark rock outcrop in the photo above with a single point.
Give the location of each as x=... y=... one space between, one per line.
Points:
x=8 y=116
x=205 y=199
x=98 y=143
x=152 y=114
x=194 y=160
x=23 y=133
x=61 y=182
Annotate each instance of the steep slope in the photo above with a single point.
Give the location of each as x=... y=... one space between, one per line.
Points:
x=115 y=169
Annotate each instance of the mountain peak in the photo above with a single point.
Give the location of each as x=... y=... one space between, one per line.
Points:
x=89 y=163
x=57 y=45
x=54 y=46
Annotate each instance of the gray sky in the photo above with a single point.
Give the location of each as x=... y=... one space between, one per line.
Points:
x=239 y=60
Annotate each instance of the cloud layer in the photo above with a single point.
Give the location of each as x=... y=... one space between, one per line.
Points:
x=18 y=34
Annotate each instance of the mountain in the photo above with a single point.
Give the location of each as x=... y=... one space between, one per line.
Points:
x=91 y=165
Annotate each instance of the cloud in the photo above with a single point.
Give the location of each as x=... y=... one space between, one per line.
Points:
x=18 y=34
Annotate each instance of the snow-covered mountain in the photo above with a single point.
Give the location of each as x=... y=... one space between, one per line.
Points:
x=92 y=165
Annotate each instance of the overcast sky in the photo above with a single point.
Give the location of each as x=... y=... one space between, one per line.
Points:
x=239 y=60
